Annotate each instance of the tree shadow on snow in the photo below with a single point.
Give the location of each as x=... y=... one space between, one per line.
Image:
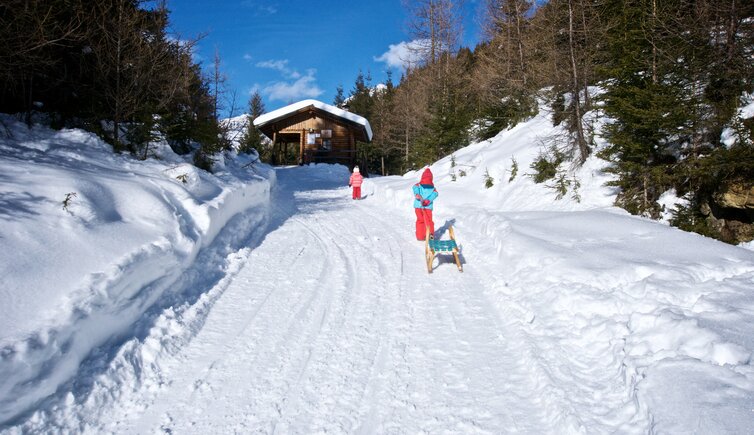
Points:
x=18 y=205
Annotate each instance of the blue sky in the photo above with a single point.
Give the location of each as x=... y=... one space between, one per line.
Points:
x=290 y=50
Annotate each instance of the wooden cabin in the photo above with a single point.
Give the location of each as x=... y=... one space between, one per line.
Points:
x=311 y=131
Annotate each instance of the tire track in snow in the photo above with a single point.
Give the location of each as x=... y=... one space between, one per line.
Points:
x=437 y=305
x=349 y=348
x=215 y=350
x=333 y=325
x=278 y=382
x=407 y=352
x=277 y=350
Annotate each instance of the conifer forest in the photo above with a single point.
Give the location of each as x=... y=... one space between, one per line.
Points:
x=670 y=76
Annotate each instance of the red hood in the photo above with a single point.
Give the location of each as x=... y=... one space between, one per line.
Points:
x=426 y=177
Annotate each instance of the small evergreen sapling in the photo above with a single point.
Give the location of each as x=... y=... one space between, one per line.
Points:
x=488 y=180
x=690 y=217
x=546 y=165
x=562 y=184
x=514 y=169
x=575 y=195
x=67 y=200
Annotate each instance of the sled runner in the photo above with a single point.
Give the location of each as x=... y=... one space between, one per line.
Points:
x=433 y=247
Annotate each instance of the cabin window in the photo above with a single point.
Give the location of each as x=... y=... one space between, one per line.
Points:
x=326 y=140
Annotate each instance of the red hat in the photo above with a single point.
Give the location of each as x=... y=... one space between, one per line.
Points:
x=426 y=177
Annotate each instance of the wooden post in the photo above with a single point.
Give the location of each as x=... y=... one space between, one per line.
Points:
x=352 y=146
x=274 y=148
x=301 y=159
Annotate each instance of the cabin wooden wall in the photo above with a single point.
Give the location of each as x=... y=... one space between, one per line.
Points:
x=342 y=144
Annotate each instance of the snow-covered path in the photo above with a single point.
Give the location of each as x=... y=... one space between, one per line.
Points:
x=333 y=324
x=316 y=314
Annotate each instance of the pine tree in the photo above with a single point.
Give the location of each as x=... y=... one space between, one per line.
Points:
x=252 y=139
x=677 y=71
x=384 y=151
x=111 y=61
x=645 y=97
x=360 y=100
x=340 y=98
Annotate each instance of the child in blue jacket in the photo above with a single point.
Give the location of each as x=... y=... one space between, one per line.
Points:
x=424 y=197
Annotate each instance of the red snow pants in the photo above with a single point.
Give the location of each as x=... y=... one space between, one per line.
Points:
x=356 y=192
x=424 y=221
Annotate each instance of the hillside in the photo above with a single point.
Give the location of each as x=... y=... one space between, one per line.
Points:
x=271 y=301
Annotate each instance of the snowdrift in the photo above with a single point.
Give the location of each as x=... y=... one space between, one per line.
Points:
x=93 y=240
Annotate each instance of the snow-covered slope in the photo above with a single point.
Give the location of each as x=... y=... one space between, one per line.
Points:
x=623 y=316
x=75 y=277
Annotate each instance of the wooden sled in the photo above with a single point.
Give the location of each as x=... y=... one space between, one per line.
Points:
x=433 y=247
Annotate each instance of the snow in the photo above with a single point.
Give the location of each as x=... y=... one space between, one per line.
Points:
x=236 y=128
x=76 y=278
x=730 y=136
x=293 y=108
x=669 y=201
x=261 y=300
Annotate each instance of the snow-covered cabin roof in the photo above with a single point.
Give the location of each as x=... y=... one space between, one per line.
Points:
x=303 y=105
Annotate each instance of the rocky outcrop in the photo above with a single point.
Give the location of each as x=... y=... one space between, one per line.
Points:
x=731 y=213
x=736 y=196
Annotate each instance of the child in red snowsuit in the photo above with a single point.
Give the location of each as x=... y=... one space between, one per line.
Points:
x=424 y=197
x=355 y=182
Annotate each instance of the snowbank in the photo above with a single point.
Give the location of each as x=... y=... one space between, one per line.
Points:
x=92 y=240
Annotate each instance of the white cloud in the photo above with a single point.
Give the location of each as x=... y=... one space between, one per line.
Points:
x=293 y=86
x=279 y=65
x=259 y=9
x=287 y=91
x=247 y=57
x=403 y=54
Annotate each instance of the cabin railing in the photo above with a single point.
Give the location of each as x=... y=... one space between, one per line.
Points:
x=331 y=156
